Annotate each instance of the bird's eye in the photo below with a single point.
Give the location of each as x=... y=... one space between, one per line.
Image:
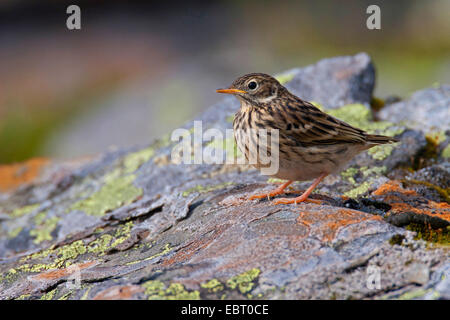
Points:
x=252 y=85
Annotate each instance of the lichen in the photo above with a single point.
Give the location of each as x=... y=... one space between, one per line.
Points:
x=275 y=180
x=118 y=189
x=229 y=145
x=19 y=212
x=63 y=257
x=49 y=295
x=360 y=116
x=213 y=285
x=244 y=281
x=446 y=152
x=349 y=174
x=381 y=152
x=205 y=189
x=114 y=194
x=43 y=231
x=167 y=248
x=14 y=232
x=156 y=290
x=285 y=76
x=361 y=189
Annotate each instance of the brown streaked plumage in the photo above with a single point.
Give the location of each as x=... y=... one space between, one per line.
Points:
x=312 y=144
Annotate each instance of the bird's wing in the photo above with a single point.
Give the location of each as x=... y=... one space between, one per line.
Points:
x=307 y=125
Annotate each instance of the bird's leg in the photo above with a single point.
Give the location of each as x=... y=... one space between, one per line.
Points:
x=305 y=195
x=273 y=193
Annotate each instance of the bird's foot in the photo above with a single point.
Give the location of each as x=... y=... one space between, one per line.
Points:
x=296 y=200
x=273 y=193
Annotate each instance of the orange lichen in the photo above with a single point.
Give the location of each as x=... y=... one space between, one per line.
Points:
x=328 y=225
x=393 y=186
x=62 y=273
x=14 y=175
x=424 y=206
x=119 y=292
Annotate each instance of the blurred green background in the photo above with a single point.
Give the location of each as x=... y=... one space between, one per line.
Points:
x=137 y=70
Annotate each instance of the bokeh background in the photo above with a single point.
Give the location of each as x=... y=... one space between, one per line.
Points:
x=137 y=70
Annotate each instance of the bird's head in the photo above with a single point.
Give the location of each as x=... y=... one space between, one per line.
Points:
x=255 y=88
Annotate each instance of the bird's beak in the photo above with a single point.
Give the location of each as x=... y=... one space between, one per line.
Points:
x=230 y=91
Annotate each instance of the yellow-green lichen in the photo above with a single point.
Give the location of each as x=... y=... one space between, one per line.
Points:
x=446 y=152
x=43 y=231
x=213 y=285
x=118 y=189
x=156 y=290
x=349 y=174
x=229 y=145
x=134 y=160
x=205 y=189
x=360 y=116
x=285 y=76
x=62 y=257
x=275 y=180
x=361 y=189
x=49 y=295
x=114 y=194
x=381 y=152
x=244 y=281
x=14 y=232
x=19 y=212
x=377 y=171
x=167 y=248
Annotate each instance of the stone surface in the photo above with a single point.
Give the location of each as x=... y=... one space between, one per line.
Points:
x=336 y=81
x=426 y=110
x=132 y=224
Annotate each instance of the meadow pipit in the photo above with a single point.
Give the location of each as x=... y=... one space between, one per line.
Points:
x=312 y=144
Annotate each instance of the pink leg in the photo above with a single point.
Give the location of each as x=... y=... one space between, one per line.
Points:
x=305 y=195
x=273 y=193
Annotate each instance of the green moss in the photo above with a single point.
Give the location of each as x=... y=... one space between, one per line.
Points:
x=43 y=232
x=444 y=193
x=24 y=210
x=23 y=297
x=437 y=136
x=275 y=180
x=396 y=239
x=361 y=189
x=244 y=281
x=205 y=189
x=213 y=285
x=156 y=290
x=425 y=232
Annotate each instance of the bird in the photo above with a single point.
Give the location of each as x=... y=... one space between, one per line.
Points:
x=312 y=144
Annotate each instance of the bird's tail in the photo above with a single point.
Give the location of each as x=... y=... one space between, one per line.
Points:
x=378 y=139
